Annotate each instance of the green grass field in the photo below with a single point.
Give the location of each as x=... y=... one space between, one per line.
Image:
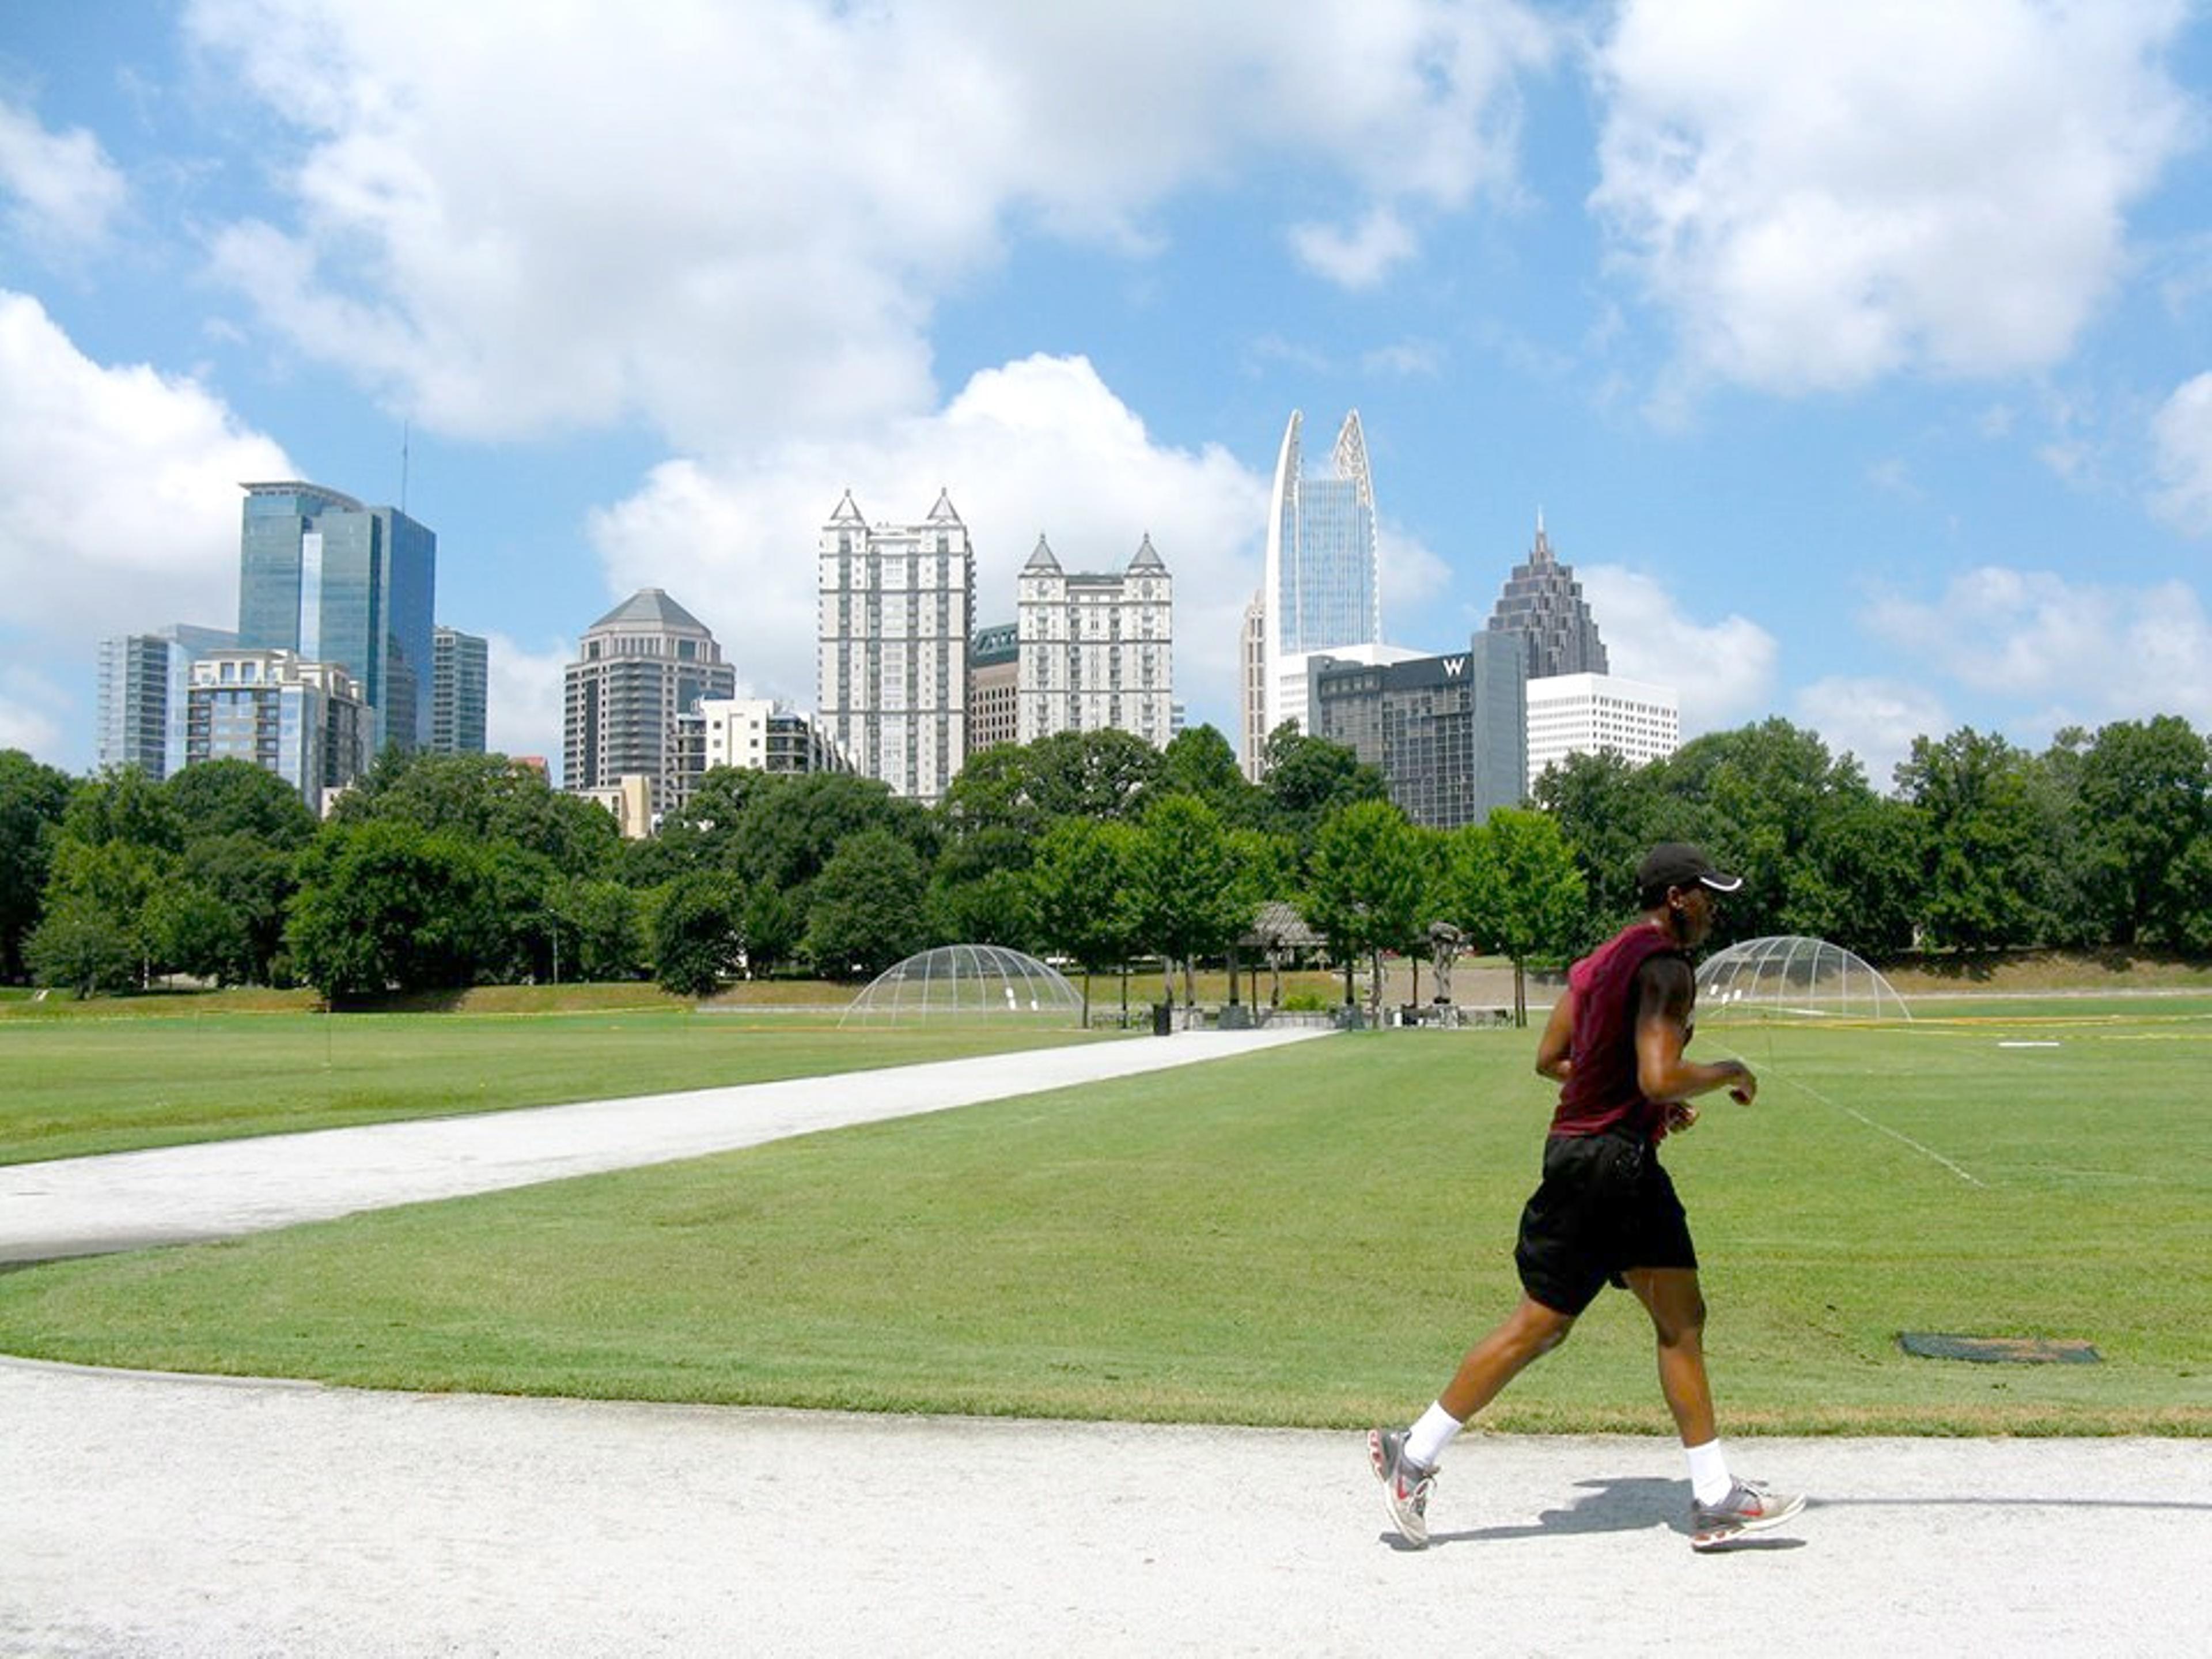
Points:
x=1308 y=1237
x=83 y=1085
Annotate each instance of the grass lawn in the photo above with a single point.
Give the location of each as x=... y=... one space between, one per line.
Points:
x=1306 y=1236
x=83 y=1085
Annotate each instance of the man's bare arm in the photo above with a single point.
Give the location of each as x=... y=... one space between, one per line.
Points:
x=1667 y=990
x=1553 y=1048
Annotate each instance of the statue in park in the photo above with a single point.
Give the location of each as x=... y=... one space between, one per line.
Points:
x=1445 y=943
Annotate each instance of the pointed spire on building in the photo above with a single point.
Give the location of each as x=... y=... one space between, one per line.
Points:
x=847 y=512
x=943 y=511
x=1541 y=553
x=1041 y=557
x=1148 y=557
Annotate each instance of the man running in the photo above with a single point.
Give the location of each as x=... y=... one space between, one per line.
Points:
x=1606 y=1211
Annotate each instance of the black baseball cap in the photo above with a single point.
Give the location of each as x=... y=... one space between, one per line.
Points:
x=1678 y=864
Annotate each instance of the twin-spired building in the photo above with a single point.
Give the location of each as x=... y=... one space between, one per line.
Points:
x=1095 y=651
x=894 y=607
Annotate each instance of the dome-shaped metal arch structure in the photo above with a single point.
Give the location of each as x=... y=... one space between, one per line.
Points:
x=967 y=982
x=1792 y=974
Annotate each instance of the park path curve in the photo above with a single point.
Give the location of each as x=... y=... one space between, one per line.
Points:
x=220 y=1189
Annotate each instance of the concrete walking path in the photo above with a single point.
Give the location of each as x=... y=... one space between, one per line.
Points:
x=218 y=1189
x=154 y=1518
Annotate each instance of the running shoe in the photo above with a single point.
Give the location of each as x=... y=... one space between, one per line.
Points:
x=1749 y=1507
x=1405 y=1484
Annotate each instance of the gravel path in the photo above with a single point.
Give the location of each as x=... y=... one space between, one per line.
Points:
x=161 y=1515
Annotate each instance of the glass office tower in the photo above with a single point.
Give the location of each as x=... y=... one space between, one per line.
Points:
x=460 y=676
x=331 y=581
x=1322 y=589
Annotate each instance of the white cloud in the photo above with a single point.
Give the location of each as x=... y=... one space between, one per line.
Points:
x=65 y=193
x=523 y=711
x=1407 y=359
x=733 y=221
x=1875 y=720
x=1039 y=447
x=1823 y=195
x=1723 y=670
x=31 y=711
x=2081 y=653
x=120 y=487
x=1359 y=258
x=2182 y=434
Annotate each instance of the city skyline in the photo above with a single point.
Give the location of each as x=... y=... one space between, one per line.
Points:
x=1859 y=361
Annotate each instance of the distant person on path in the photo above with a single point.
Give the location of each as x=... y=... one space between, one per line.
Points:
x=1606 y=1211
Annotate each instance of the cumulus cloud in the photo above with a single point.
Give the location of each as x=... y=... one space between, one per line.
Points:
x=1040 y=447
x=32 y=711
x=2081 y=653
x=60 y=189
x=1875 y=720
x=1723 y=670
x=733 y=221
x=523 y=711
x=1823 y=195
x=121 y=487
x=2182 y=432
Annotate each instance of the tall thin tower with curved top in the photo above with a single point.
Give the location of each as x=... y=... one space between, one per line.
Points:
x=1322 y=589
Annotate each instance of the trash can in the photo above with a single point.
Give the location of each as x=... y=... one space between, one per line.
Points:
x=1162 y=1019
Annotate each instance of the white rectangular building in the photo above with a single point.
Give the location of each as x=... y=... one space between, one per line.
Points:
x=894 y=610
x=1590 y=713
x=306 y=721
x=1097 y=653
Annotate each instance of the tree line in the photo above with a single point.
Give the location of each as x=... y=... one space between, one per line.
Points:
x=442 y=872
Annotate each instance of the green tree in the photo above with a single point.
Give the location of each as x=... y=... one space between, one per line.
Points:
x=697 y=943
x=1084 y=880
x=601 y=929
x=2142 y=804
x=996 y=906
x=792 y=825
x=386 y=905
x=1989 y=859
x=32 y=799
x=1198 y=760
x=1373 y=886
x=78 y=945
x=1611 y=814
x=119 y=879
x=1513 y=882
x=865 y=911
x=489 y=798
x=1304 y=778
x=253 y=881
x=1189 y=902
x=223 y=797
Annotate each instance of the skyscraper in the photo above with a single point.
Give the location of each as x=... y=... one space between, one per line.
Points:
x=638 y=668
x=1252 y=686
x=1543 y=602
x=460 y=676
x=1590 y=713
x=1097 y=652
x=144 y=684
x=1449 y=733
x=1321 y=588
x=895 y=606
x=332 y=580
x=302 y=719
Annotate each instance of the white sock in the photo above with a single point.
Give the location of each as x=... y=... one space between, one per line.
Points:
x=1709 y=1473
x=1426 y=1440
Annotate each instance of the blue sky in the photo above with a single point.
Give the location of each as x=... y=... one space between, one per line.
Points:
x=1859 y=359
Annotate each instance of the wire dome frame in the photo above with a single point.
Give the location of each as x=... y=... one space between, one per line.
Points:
x=1793 y=975
x=966 y=983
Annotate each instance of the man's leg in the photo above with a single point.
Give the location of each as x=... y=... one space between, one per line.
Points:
x=1527 y=1334
x=1405 y=1460
x=1677 y=1307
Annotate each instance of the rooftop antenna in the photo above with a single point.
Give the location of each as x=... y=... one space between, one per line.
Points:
x=403 y=466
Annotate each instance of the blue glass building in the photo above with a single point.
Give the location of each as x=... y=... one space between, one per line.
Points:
x=332 y=580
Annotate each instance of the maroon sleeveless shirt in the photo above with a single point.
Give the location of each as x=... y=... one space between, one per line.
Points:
x=1601 y=1092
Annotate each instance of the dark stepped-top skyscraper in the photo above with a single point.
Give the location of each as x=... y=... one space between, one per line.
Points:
x=1543 y=602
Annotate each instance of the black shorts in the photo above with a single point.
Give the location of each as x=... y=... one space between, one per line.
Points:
x=1605 y=1207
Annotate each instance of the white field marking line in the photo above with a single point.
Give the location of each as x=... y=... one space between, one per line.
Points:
x=1851 y=1111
